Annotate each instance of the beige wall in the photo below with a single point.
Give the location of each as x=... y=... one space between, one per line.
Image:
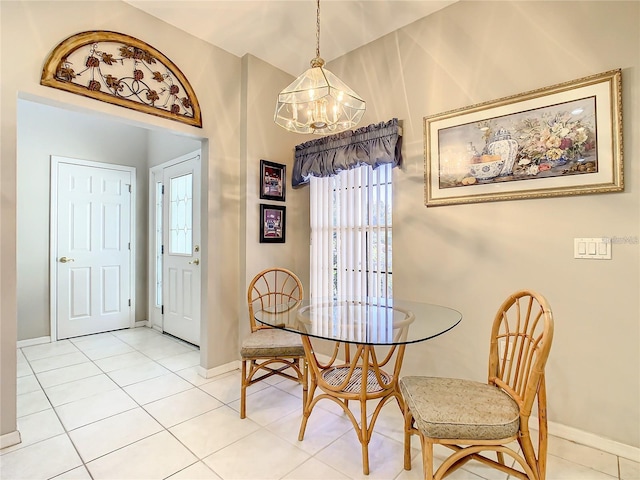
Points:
x=264 y=140
x=471 y=257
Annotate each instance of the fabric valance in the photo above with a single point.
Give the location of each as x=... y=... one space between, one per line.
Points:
x=374 y=145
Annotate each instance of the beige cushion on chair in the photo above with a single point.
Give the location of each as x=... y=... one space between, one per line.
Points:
x=460 y=409
x=272 y=342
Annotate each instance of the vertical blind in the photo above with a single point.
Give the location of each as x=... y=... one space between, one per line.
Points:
x=351 y=233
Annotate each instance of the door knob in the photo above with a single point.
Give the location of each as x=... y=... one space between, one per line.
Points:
x=195 y=262
x=65 y=260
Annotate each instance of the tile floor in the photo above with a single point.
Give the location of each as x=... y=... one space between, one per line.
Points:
x=130 y=405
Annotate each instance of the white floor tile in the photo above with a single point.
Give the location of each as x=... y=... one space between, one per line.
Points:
x=135 y=462
x=182 y=406
x=32 y=402
x=322 y=429
x=226 y=388
x=164 y=351
x=94 y=408
x=107 y=351
x=313 y=469
x=386 y=456
x=44 y=459
x=269 y=405
x=27 y=384
x=192 y=376
x=197 y=471
x=181 y=361
x=79 y=389
x=68 y=374
x=157 y=388
x=104 y=436
x=97 y=340
x=138 y=373
x=582 y=455
x=37 y=352
x=117 y=362
x=136 y=336
x=561 y=469
x=79 y=473
x=23 y=368
x=196 y=433
x=37 y=427
x=59 y=361
x=266 y=463
x=629 y=470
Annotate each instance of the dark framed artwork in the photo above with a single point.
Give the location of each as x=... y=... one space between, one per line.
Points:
x=272 y=180
x=272 y=223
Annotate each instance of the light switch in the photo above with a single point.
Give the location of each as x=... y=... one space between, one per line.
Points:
x=582 y=248
x=602 y=248
x=594 y=248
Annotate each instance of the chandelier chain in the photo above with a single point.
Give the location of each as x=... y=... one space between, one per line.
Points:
x=317 y=28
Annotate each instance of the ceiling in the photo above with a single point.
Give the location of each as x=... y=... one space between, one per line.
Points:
x=283 y=32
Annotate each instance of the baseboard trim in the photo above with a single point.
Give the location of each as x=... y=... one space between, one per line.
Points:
x=33 y=341
x=141 y=323
x=215 y=371
x=9 y=439
x=592 y=440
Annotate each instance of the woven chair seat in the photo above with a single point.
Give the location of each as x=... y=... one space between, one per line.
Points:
x=272 y=342
x=336 y=376
x=458 y=408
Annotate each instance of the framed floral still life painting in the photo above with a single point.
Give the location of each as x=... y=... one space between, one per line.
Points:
x=272 y=223
x=560 y=140
x=272 y=180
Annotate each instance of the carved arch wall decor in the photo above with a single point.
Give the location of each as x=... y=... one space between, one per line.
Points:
x=120 y=69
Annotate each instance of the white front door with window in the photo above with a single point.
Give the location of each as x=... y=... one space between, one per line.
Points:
x=91 y=246
x=181 y=250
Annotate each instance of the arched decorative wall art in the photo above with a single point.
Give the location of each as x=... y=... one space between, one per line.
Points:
x=120 y=69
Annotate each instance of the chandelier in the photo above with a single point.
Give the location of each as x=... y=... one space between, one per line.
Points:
x=318 y=101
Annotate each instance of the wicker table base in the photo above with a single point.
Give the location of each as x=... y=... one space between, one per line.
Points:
x=341 y=380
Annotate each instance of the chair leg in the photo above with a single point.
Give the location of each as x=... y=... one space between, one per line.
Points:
x=304 y=367
x=427 y=458
x=243 y=391
x=408 y=420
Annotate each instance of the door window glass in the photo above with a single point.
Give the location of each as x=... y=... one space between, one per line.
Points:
x=181 y=215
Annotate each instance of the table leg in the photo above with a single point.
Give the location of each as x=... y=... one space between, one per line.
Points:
x=360 y=378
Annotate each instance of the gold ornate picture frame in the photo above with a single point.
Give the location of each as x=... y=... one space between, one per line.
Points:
x=561 y=140
x=123 y=70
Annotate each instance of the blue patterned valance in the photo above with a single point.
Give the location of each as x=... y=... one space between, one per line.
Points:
x=374 y=145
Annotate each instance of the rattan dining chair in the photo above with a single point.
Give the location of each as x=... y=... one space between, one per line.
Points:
x=271 y=351
x=473 y=417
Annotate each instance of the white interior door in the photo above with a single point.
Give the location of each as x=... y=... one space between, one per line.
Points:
x=181 y=246
x=92 y=247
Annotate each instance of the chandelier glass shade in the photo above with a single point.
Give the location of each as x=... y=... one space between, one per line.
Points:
x=318 y=101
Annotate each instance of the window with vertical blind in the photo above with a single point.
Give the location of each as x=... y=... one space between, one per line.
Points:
x=351 y=235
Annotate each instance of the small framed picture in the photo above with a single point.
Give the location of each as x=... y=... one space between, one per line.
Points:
x=272 y=223
x=272 y=180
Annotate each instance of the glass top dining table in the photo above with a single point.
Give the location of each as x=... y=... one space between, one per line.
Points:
x=369 y=339
x=363 y=322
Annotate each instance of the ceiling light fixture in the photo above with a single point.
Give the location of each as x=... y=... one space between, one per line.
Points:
x=318 y=101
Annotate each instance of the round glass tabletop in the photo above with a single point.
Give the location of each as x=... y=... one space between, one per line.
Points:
x=361 y=322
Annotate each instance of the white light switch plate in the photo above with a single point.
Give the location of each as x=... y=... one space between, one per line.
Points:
x=595 y=248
